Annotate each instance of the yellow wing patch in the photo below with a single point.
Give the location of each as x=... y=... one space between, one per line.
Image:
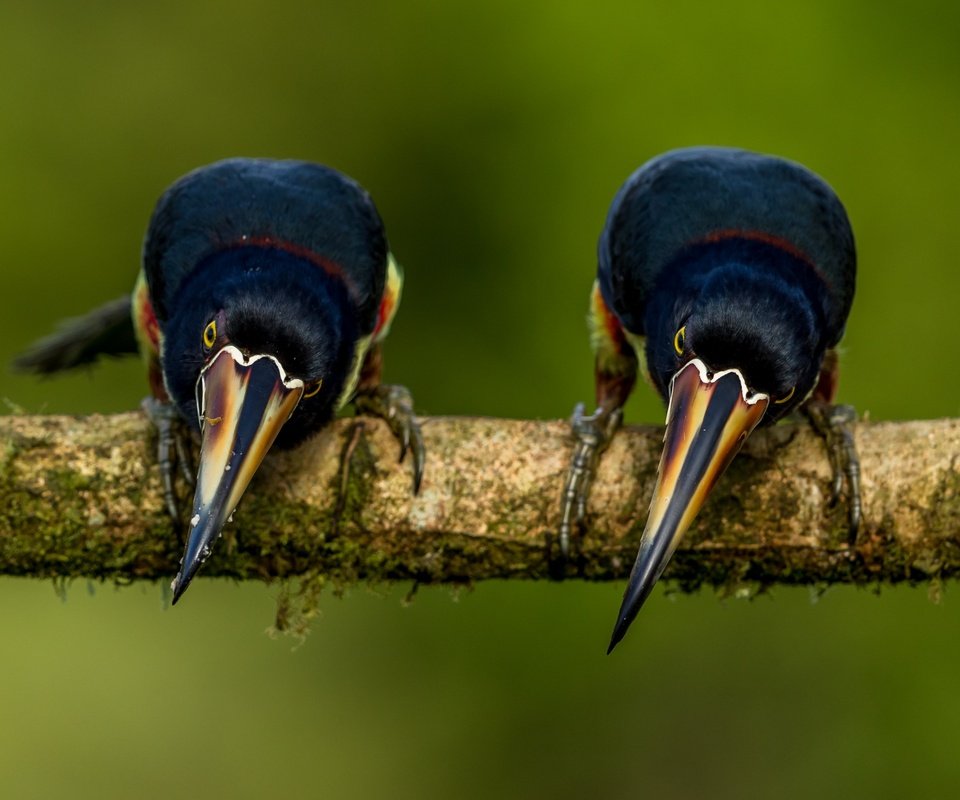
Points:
x=353 y=377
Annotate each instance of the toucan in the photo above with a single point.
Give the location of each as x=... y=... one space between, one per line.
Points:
x=266 y=289
x=725 y=277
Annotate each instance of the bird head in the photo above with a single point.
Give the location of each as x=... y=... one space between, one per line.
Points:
x=728 y=348
x=256 y=351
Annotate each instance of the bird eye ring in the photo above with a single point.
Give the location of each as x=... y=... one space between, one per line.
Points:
x=679 y=339
x=785 y=398
x=312 y=388
x=210 y=334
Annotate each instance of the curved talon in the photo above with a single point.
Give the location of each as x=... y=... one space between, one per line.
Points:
x=419 y=457
x=163 y=417
x=832 y=423
x=404 y=443
x=173 y=450
x=184 y=457
x=848 y=464
x=165 y=460
x=593 y=434
x=394 y=404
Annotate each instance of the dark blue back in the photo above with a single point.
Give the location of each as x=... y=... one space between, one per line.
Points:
x=686 y=196
x=305 y=207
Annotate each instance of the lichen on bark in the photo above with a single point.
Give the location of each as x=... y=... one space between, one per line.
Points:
x=80 y=497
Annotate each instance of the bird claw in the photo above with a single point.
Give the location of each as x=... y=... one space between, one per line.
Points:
x=173 y=449
x=394 y=404
x=833 y=424
x=593 y=433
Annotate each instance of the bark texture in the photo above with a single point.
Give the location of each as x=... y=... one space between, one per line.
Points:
x=81 y=497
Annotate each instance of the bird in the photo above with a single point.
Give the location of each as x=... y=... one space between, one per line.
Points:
x=265 y=292
x=725 y=277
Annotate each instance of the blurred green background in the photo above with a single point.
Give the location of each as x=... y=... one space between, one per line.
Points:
x=492 y=138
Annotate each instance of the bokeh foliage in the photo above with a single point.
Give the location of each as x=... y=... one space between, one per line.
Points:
x=492 y=137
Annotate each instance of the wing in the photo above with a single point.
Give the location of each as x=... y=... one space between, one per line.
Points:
x=387 y=309
x=689 y=196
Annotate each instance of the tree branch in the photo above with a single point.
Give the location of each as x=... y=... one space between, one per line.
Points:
x=81 y=497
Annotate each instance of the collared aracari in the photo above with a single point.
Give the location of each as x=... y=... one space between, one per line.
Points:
x=266 y=289
x=726 y=278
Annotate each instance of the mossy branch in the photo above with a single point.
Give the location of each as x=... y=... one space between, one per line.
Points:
x=81 y=497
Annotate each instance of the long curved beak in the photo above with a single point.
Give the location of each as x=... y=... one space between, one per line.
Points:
x=242 y=403
x=708 y=418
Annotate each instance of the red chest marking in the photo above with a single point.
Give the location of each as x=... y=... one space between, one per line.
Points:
x=767 y=238
x=328 y=266
x=759 y=236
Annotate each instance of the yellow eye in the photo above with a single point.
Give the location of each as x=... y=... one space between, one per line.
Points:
x=210 y=334
x=312 y=388
x=679 y=339
x=786 y=397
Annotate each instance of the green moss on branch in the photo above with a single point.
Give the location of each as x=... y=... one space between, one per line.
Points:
x=81 y=497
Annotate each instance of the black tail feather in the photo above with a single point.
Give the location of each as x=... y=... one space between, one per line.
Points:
x=105 y=331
